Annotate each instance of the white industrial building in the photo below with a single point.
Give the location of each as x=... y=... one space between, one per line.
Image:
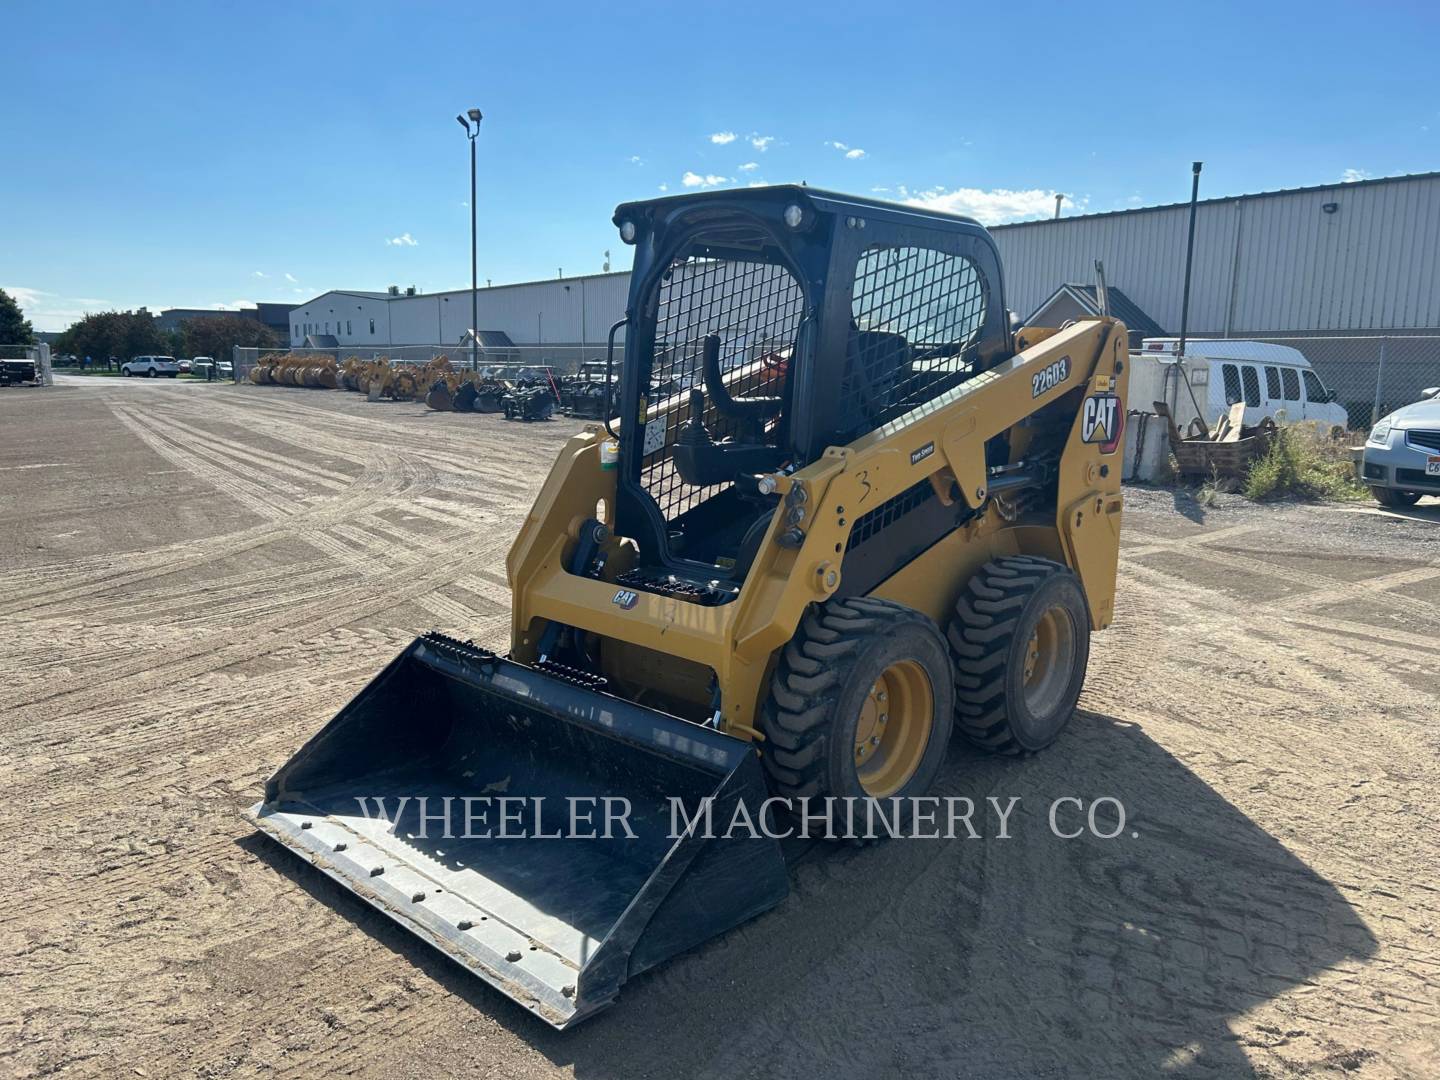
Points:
x=1344 y=260
x=561 y=314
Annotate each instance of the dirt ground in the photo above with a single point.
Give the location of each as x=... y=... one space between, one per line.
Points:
x=195 y=578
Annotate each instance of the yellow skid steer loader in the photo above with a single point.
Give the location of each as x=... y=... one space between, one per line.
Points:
x=847 y=510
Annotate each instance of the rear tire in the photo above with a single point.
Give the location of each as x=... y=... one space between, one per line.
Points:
x=1020 y=641
x=861 y=706
x=1391 y=497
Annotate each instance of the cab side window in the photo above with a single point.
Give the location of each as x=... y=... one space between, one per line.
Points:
x=1272 y=383
x=1292 y=384
x=1231 y=374
x=1252 y=385
x=1314 y=390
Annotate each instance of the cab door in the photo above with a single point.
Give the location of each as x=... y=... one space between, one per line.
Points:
x=1318 y=401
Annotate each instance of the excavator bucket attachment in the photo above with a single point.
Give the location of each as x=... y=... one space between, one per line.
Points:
x=575 y=868
x=439 y=396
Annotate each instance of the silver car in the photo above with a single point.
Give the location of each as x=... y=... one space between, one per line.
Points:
x=1401 y=461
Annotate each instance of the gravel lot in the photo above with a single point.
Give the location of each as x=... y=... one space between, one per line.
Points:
x=195 y=578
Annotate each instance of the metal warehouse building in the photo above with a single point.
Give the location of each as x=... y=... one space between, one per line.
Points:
x=1346 y=272
x=561 y=314
x=1348 y=269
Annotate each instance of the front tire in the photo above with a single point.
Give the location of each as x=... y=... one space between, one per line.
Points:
x=861 y=706
x=1391 y=497
x=1020 y=640
x=150 y=374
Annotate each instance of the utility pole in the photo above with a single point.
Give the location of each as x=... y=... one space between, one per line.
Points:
x=473 y=117
x=1189 y=256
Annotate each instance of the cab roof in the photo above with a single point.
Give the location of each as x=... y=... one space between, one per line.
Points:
x=818 y=199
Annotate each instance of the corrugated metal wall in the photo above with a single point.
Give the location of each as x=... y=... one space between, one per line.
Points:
x=1263 y=263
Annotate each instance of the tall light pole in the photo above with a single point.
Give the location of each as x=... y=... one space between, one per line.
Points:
x=471 y=123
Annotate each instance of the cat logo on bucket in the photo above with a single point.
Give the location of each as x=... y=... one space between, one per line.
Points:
x=625 y=599
x=1102 y=421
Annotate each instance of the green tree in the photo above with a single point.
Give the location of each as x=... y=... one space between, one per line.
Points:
x=217 y=335
x=121 y=334
x=15 y=329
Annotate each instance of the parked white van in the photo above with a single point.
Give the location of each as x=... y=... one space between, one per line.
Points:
x=1273 y=380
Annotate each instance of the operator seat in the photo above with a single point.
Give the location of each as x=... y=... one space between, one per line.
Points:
x=877 y=363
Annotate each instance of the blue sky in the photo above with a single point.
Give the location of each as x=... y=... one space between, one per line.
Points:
x=203 y=154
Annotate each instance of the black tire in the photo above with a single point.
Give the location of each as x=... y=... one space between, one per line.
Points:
x=1003 y=611
x=150 y=374
x=823 y=681
x=1391 y=497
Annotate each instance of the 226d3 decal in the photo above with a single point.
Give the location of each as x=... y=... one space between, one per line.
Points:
x=1049 y=377
x=1102 y=421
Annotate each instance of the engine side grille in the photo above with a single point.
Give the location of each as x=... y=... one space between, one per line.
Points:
x=890 y=511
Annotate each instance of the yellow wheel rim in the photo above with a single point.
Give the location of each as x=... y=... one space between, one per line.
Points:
x=896 y=719
x=1049 y=661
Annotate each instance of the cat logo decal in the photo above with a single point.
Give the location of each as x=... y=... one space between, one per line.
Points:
x=1102 y=422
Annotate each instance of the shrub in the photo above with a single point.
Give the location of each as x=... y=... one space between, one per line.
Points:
x=1304 y=462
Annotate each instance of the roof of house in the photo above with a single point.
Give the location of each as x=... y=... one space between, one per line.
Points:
x=494 y=339
x=1121 y=306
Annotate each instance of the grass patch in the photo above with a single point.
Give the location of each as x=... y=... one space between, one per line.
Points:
x=1304 y=462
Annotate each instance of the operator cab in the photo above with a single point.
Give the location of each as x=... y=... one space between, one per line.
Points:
x=763 y=326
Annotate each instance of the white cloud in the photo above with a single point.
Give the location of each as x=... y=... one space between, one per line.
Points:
x=836 y=145
x=693 y=179
x=292 y=279
x=636 y=159
x=1349 y=176
x=723 y=138
x=761 y=142
x=403 y=240
x=298 y=292
x=50 y=311
x=758 y=183
x=750 y=166
x=260 y=274
x=664 y=187
x=990 y=207
x=879 y=190
x=855 y=153
x=26 y=298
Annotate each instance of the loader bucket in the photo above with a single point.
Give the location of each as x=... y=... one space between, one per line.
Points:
x=555 y=922
x=439 y=396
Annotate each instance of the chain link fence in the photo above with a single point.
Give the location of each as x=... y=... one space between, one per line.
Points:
x=562 y=359
x=1370 y=375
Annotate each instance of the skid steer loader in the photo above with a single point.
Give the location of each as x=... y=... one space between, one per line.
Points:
x=847 y=510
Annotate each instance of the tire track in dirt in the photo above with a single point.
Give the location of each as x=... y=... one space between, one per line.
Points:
x=137 y=675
